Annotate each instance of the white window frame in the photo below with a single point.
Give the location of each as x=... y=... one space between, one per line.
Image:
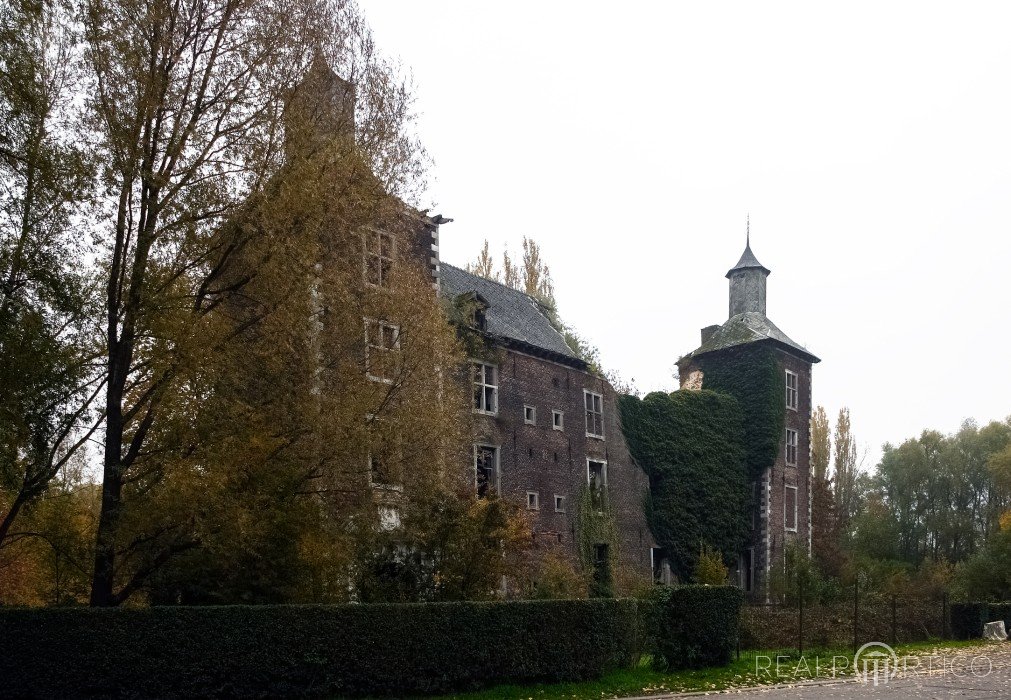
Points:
x=796 y=509
x=369 y=346
x=794 y=446
x=368 y=255
x=591 y=411
x=483 y=367
x=603 y=471
x=535 y=504
x=530 y=419
x=559 y=503
x=389 y=517
x=496 y=486
x=560 y=423
x=792 y=393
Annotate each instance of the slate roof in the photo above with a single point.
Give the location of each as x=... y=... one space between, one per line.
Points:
x=748 y=260
x=751 y=327
x=511 y=314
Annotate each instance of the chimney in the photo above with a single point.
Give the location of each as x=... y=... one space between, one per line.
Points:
x=319 y=110
x=708 y=332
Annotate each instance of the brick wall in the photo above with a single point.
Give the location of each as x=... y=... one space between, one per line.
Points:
x=552 y=462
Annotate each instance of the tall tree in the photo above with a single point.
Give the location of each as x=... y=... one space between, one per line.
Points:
x=826 y=544
x=191 y=104
x=846 y=469
x=821 y=444
x=47 y=353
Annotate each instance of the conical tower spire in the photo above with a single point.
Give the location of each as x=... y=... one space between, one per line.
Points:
x=747 y=280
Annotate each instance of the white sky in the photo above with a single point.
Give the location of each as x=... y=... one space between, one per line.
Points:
x=870 y=142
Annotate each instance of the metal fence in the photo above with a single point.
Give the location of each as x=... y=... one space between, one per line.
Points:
x=863 y=617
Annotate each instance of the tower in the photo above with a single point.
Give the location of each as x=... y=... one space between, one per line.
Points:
x=760 y=360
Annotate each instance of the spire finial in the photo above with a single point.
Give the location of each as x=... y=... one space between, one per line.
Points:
x=748 y=238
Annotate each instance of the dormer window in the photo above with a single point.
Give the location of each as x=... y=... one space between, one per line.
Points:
x=473 y=309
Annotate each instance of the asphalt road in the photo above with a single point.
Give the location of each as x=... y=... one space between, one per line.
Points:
x=975 y=673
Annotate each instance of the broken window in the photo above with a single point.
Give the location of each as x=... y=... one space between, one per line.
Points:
x=485 y=387
x=596 y=476
x=382 y=345
x=594 y=414
x=378 y=258
x=486 y=465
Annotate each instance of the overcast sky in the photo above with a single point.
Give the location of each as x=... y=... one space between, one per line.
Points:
x=870 y=142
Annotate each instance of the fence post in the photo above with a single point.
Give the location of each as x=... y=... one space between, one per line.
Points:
x=895 y=634
x=856 y=611
x=944 y=615
x=800 y=641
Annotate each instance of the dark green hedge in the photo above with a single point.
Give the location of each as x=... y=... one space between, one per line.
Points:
x=269 y=651
x=967 y=619
x=696 y=626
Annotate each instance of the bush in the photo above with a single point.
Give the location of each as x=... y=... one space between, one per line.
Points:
x=269 y=651
x=696 y=626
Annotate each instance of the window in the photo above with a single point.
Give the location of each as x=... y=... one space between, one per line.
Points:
x=596 y=477
x=596 y=473
x=557 y=420
x=486 y=468
x=756 y=505
x=378 y=258
x=485 y=388
x=382 y=343
x=559 y=503
x=594 y=414
x=790 y=508
x=530 y=415
x=660 y=565
x=791 y=447
x=389 y=518
x=533 y=501
x=791 y=390
x=746 y=566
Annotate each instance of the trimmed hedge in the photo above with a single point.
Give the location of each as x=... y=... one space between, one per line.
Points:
x=267 y=651
x=696 y=626
x=967 y=619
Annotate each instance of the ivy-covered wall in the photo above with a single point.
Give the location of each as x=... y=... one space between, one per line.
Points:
x=692 y=446
x=752 y=374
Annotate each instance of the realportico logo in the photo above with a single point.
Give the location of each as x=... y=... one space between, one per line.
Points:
x=875 y=663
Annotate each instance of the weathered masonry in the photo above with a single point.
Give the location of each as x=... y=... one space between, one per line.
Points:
x=546 y=429
x=781 y=493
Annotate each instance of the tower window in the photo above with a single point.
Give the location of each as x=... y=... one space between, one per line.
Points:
x=557 y=420
x=485 y=387
x=791 y=447
x=559 y=503
x=791 y=390
x=594 y=414
x=533 y=500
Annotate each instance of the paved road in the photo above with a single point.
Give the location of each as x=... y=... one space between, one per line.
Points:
x=978 y=673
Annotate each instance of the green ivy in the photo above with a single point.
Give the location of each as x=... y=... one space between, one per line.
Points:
x=691 y=445
x=752 y=374
x=595 y=524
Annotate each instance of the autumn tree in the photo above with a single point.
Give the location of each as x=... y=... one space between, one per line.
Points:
x=213 y=246
x=47 y=343
x=826 y=537
x=845 y=463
